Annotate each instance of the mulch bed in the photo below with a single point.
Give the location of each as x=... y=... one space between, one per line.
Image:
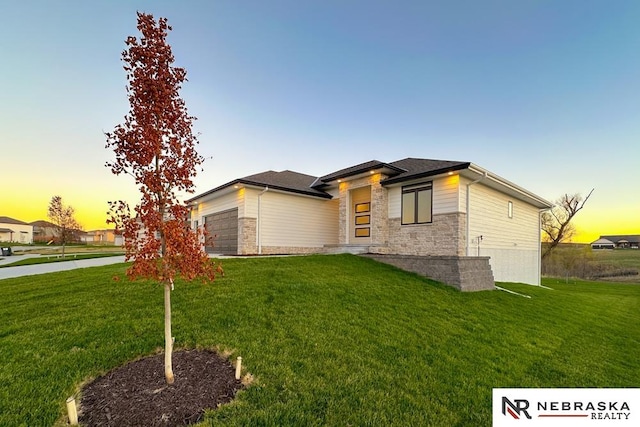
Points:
x=136 y=394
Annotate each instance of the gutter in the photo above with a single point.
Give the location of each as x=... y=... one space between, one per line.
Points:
x=259 y=225
x=468 y=231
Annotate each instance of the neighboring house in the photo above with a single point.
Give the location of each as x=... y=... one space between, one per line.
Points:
x=617 y=242
x=44 y=231
x=413 y=207
x=15 y=231
x=103 y=237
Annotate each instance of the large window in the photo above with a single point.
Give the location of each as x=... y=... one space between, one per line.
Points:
x=416 y=203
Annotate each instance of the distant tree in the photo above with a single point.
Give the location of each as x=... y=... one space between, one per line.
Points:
x=156 y=146
x=556 y=222
x=63 y=219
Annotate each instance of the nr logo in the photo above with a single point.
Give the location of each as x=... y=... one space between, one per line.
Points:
x=515 y=408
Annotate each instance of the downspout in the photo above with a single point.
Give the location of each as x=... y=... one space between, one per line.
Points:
x=468 y=231
x=259 y=225
x=539 y=248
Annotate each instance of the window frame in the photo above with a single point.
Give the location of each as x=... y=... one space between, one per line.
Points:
x=415 y=189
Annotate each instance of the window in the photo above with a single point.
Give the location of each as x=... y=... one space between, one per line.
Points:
x=363 y=219
x=363 y=207
x=417 y=203
x=510 y=209
x=363 y=232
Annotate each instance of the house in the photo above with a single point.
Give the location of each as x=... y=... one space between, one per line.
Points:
x=103 y=237
x=44 y=231
x=15 y=231
x=48 y=232
x=617 y=242
x=448 y=213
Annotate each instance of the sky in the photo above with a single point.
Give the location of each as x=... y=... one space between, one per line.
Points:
x=543 y=93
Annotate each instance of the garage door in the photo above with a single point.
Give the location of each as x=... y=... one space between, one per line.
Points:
x=223 y=227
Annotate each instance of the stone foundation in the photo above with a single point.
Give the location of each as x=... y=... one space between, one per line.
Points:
x=463 y=273
x=290 y=250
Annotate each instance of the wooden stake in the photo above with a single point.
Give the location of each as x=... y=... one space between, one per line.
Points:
x=238 y=367
x=72 y=411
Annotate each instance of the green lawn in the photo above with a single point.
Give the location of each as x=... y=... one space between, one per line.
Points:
x=331 y=340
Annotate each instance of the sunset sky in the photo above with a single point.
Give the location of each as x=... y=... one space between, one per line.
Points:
x=543 y=93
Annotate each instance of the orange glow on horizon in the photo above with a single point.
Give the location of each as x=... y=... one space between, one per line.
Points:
x=592 y=223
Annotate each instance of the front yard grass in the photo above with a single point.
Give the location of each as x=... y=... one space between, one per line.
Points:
x=330 y=340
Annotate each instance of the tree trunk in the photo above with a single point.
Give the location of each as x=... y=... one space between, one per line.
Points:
x=168 y=339
x=64 y=241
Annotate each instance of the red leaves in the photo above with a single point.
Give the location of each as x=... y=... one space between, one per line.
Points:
x=156 y=145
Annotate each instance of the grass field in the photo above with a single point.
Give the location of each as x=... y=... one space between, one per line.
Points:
x=330 y=340
x=624 y=258
x=579 y=260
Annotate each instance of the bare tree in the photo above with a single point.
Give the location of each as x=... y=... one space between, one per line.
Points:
x=556 y=223
x=64 y=220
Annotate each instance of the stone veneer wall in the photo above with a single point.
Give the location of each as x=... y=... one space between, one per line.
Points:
x=463 y=273
x=247 y=229
x=444 y=236
x=282 y=250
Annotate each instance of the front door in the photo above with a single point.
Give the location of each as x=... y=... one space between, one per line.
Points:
x=360 y=218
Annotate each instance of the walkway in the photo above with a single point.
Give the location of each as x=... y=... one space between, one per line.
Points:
x=30 y=270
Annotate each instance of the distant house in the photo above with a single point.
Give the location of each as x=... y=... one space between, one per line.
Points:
x=15 y=231
x=628 y=241
x=103 y=237
x=44 y=231
x=408 y=208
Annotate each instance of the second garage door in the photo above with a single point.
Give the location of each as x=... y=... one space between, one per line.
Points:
x=223 y=227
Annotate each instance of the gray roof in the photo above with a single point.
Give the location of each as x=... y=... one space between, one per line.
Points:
x=631 y=238
x=354 y=170
x=6 y=230
x=287 y=180
x=398 y=171
x=42 y=223
x=7 y=220
x=420 y=168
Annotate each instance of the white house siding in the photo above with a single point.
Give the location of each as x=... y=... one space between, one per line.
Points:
x=22 y=233
x=512 y=243
x=296 y=224
x=225 y=202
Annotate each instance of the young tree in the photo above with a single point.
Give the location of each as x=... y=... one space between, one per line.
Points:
x=556 y=223
x=156 y=146
x=63 y=219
